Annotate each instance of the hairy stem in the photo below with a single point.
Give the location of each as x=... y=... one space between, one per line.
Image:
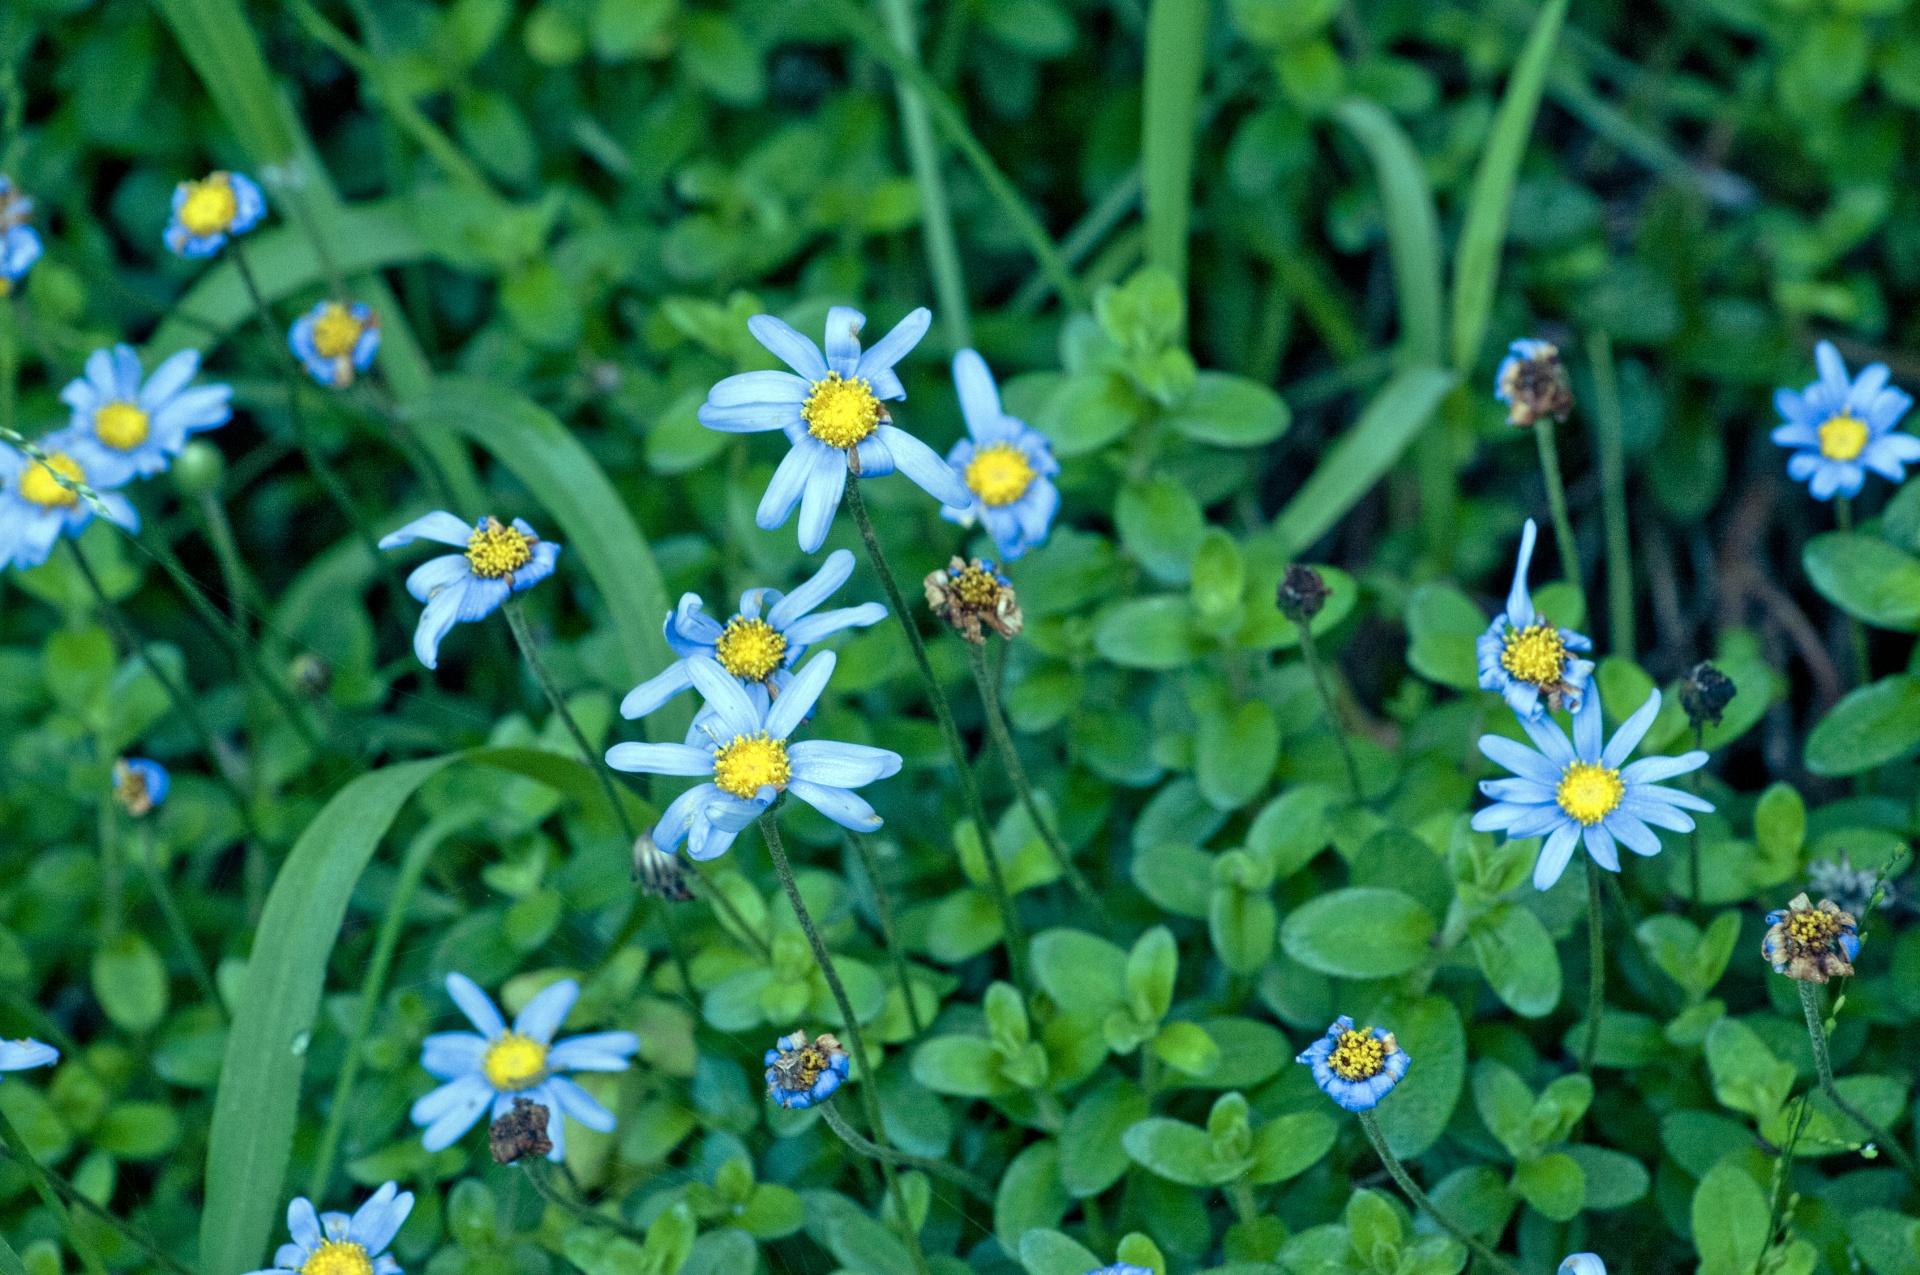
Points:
x=176 y=923
x=49 y=1195
x=874 y=1151
x=1823 y=1064
x=540 y=1173
x=1413 y=1192
x=1557 y=502
x=1321 y=684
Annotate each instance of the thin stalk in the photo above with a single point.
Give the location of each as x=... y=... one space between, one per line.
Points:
x=1781 y=1188
x=874 y=1151
x=1321 y=684
x=943 y=713
x=1246 y=1206
x=73 y=1195
x=176 y=923
x=1597 y=960
x=1613 y=492
x=112 y=878
x=1017 y=776
x=869 y=1078
x=1557 y=501
x=1693 y=838
x=716 y=896
x=1413 y=1192
x=540 y=1173
x=1856 y=631
x=923 y=153
x=1823 y=1064
x=49 y=1196
x=9 y=362
x=517 y=621
x=233 y=568
x=884 y=906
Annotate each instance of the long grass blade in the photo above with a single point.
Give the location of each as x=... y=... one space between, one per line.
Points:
x=1176 y=56
x=1413 y=227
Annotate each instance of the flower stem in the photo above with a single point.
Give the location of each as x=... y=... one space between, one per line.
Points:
x=44 y=1188
x=1557 y=502
x=1693 y=838
x=923 y=153
x=9 y=362
x=540 y=1173
x=1597 y=965
x=943 y=713
x=233 y=568
x=1320 y=683
x=176 y=923
x=1613 y=492
x=869 y=1078
x=1823 y=1064
x=887 y=1155
x=1413 y=1192
x=884 y=906
x=1017 y=776
x=72 y=1195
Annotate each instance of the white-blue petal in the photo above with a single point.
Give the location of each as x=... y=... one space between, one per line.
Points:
x=838 y=765
x=439 y=525
x=476 y=1005
x=543 y=1015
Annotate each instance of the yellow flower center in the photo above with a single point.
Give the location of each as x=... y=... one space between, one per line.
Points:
x=496 y=550
x=1588 y=792
x=40 y=486
x=338 y=1258
x=513 y=1062
x=210 y=206
x=1359 y=1055
x=121 y=424
x=336 y=332
x=1815 y=930
x=750 y=763
x=976 y=588
x=750 y=649
x=999 y=474
x=840 y=412
x=1536 y=654
x=1843 y=437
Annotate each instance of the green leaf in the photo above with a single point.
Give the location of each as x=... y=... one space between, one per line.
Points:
x=1180 y=1152
x=1175 y=57
x=1780 y=824
x=1363 y=455
x=1867 y=578
x=1614 y=1178
x=1888 y=1243
x=1152 y=966
x=1147 y=633
x=1045 y=1252
x=1178 y=878
x=1186 y=1047
x=1218 y=583
x=1241 y=922
x=1235 y=751
x=1289 y=1145
x=622 y=29
x=1366 y=932
x=864 y=1246
x=1729 y=1220
x=1230 y=411
x=130 y=983
x=1443 y=624
x=1505 y=1105
x=1872 y=726
x=1554 y=1185
x=1413 y=227
x=1413 y=1116
x=1092 y=1156
x=1518 y=957
x=1080 y=971
x=1031 y=1194
x=964 y=1066
x=1088 y=410
x=1160 y=524
x=1292 y=828
x=1746 y=1075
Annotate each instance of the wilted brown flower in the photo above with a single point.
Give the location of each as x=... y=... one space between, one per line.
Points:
x=970 y=594
x=658 y=872
x=1705 y=693
x=1303 y=591
x=1533 y=383
x=1809 y=944
x=520 y=1132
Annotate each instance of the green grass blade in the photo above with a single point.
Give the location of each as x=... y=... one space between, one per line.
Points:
x=221 y=46
x=936 y=217
x=1176 y=56
x=1476 y=259
x=593 y=520
x=255 y=1107
x=1413 y=227
x=1363 y=455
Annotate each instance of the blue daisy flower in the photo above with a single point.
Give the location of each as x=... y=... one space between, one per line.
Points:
x=354 y=1245
x=19 y=242
x=134 y=430
x=335 y=341
x=761 y=643
x=206 y=212
x=496 y=561
x=139 y=785
x=35 y=509
x=1840 y=427
x=1007 y=467
x=1525 y=657
x=1121 y=1268
x=1355 y=1068
x=1576 y=790
x=834 y=415
x=1582 y=1264
x=25 y=1055
x=498 y=1064
x=751 y=762
x=800 y=1073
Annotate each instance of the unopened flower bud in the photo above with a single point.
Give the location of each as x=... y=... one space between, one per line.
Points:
x=658 y=872
x=1533 y=383
x=1705 y=694
x=1303 y=592
x=311 y=675
x=200 y=469
x=969 y=594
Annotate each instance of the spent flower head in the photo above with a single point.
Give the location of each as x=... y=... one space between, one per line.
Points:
x=1839 y=427
x=520 y=1132
x=1811 y=944
x=658 y=872
x=1705 y=693
x=802 y=1072
x=1851 y=889
x=1301 y=594
x=1532 y=382
x=139 y=785
x=968 y=595
x=1355 y=1067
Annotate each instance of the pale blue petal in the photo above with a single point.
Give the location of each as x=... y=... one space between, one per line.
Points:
x=812 y=628
x=581 y=1105
x=450 y=1055
x=1589 y=730
x=1554 y=856
x=1600 y=846
x=825 y=761
x=748 y=418
x=797 y=700
x=303 y=1224
x=979 y=396
x=660 y=759
x=1631 y=731
x=457 y=1107
x=923 y=465
x=833 y=573
x=656 y=691
x=476 y=1005
x=1519 y=601
x=895 y=345
x=439 y=525
x=847 y=809
x=843 y=339
x=543 y=1014
x=789 y=483
x=436 y=574
x=787 y=345
x=760 y=387
x=598 y=1051
x=1651 y=770
x=1520 y=759
x=826 y=482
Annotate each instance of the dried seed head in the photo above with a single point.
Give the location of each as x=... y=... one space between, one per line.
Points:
x=970 y=594
x=520 y=1132
x=1533 y=383
x=1302 y=593
x=1705 y=694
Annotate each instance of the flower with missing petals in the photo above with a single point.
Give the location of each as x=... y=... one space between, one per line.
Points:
x=969 y=594
x=1527 y=658
x=139 y=785
x=496 y=562
x=1532 y=382
x=802 y=1072
x=1839 y=427
x=37 y=507
x=1809 y=944
x=206 y=212
x=1355 y=1067
x=334 y=341
x=1007 y=465
x=354 y=1245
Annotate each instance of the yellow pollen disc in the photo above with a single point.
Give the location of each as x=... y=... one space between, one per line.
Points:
x=750 y=763
x=1535 y=654
x=210 y=206
x=750 y=649
x=999 y=474
x=1843 y=437
x=497 y=550
x=1359 y=1055
x=121 y=424
x=1813 y=929
x=514 y=1062
x=840 y=412
x=40 y=486
x=976 y=588
x=1589 y=793
x=338 y=1258
x=336 y=332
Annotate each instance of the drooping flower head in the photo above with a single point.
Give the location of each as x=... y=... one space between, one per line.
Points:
x=834 y=414
x=1809 y=944
x=802 y=1072
x=1577 y=790
x=969 y=594
x=520 y=1133
x=1532 y=382
x=1355 y=1067
x=19 y=242
x=492 y=1068
x=354 y=1245
x=1525 y=657
x=206 y=212
x=1839 y=427
x=128 y=429
x=36 y=508
x=1006 y=466
x=335 y=341
x=139 y=785
x=25 y=1055
x=749 y=762
x=761 y=643
x=496 y=561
